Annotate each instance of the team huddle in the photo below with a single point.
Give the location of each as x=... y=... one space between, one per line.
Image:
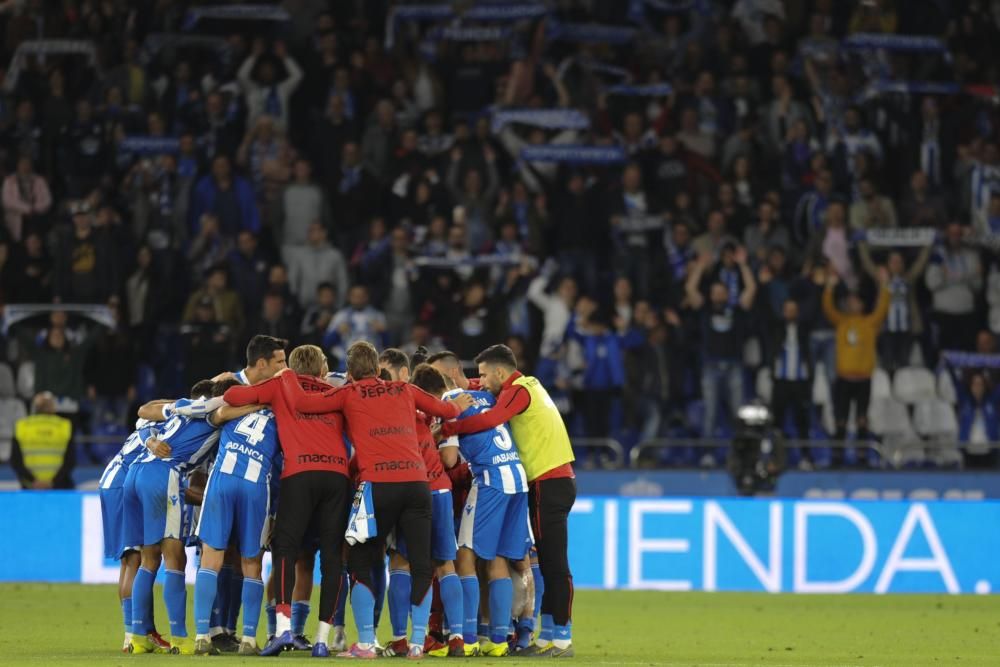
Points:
x=464 y=485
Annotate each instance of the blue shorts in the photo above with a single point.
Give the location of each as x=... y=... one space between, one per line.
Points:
x=154 y=505
x=443 y=546
x=495 y=523
x=234 y=506
x=113 y=521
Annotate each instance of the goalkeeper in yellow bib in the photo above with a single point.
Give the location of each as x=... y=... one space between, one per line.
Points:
x=547 y=456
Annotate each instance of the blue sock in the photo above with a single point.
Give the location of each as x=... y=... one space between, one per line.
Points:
x=341 y=609
x=525 y=628
x=235 y=599
x=206 y=586
x=483 y=629
x=363 y=606
x=451 y=600
x=220 y=607
x=150 y=618
x=300 y=612
x=379 y=585
x=501 y=600
x=142 y=601
x=470 y=607
x=421 y=614
x=536 y=574
x=252 y=596
x=175 y=595
x=548 y=628
x=399 y=601
x=127 y=614
x=272 y=618
x=564 y=632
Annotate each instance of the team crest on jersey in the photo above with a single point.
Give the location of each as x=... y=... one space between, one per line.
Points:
x=174 y=500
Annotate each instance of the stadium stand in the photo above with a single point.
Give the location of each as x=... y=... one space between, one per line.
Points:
x=547 y=174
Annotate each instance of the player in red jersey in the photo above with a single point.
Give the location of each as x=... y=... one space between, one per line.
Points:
x=381 y=425
x=314 y=487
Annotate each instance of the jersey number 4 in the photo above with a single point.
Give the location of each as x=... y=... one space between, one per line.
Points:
x=252 y=426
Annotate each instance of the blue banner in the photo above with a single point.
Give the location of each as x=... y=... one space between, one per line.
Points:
x=551 y=119
x=867 y=41
x=680 y=543
x=236 y=12
x=646 y=90
x=590 y=33
x=574 y=154
x=960 y=359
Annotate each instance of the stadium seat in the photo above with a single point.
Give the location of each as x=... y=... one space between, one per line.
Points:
x=946 y=388
x=752 y=356
x=11 y=409
x=764 y=384
x=881 y=384
x=912 y=385
x=26 y=380
x=934 y=418
x=889 y=419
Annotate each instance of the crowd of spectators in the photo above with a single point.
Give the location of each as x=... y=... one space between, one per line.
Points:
x=785 y=199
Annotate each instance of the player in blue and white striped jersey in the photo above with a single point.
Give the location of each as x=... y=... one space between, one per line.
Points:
x=494 y=524
x=236 y=506
x=154 y=510
x=112 y=490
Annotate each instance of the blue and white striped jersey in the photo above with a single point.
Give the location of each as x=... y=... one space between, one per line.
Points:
x=192 y=442
x=241 y=376
x=491 y=454
x=248 y=447
x=134 y=447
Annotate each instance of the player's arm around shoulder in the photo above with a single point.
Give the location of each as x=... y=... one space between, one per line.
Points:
x=227 y=413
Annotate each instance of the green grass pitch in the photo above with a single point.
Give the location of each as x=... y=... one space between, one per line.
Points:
x=76 y=624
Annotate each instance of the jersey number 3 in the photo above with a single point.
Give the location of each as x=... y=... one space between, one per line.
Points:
x=252 y=426
x=502 y=439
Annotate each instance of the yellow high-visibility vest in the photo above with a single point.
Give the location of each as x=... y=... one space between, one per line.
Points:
x=539 y=432
x=43 y=439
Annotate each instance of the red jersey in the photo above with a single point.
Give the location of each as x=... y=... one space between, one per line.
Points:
x=428 y=448
x=380 y=423
x=308 y=442
x=461 y=484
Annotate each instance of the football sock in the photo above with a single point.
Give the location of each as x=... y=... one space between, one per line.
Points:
x=175 y=596
x=451 y=598
x=421 y=614
x=399 y=602
x=363 y=605
x=300 y=612
x=142 y=599
x=323 y=633
x=536 y=574
x=271 y=617
x=501 y=599
x=251 y=596
x=205 y=593
x=235 y=598
x=220 y=606
x=127 y=615
x=548 y=631
x=470 y=607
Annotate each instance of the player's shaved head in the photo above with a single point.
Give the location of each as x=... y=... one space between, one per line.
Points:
x=202 y=388
x=308 y=360
x=450 y=366
x=362 y=360
x=430 y=380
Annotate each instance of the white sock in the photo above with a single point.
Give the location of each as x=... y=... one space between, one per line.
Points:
x=282 y=624
x=454 y=636
x=338 y=630
x=542 y=643
x=215 y=632
x=128 y=637
x=249 y=640
x=561 y=644
x=396 y=639
x=200 y=637
x=322 y=632
x=363 y=646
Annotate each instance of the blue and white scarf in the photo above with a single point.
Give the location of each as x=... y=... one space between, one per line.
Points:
x=550 y=119
x=361 y=525
x=574 y=154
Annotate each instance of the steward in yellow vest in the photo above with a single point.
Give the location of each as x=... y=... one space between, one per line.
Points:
x=41 y=455
x=547 y=456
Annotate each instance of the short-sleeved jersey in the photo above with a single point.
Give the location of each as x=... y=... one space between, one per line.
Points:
x=248 y=446
x=436 y=476
x=491 y=454
x=192 y=442
x=134 y=447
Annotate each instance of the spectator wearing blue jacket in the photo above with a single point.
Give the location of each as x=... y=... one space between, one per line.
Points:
x=357 y=321
x=229 y=196
x=978 y=421
x=602 y=371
